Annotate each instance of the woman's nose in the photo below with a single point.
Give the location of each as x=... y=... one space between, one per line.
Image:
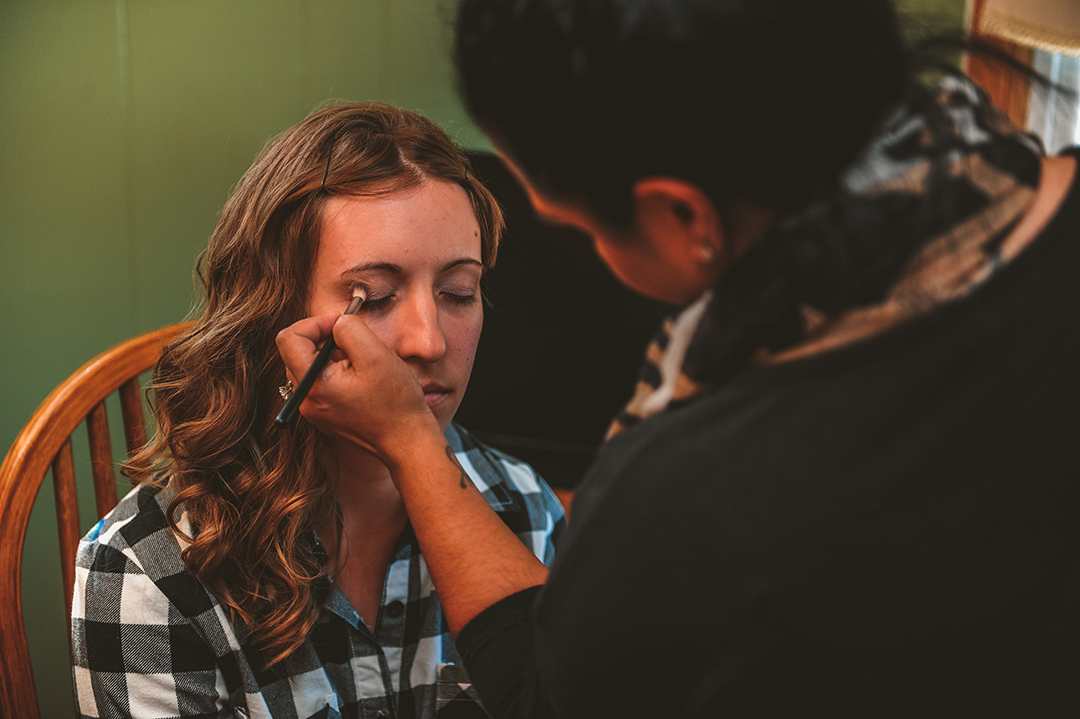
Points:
x=418 y=331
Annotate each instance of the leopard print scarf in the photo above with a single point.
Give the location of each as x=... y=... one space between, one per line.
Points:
x=916 y=220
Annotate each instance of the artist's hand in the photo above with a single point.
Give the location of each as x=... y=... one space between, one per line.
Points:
x=366 y=394
x=371 y=397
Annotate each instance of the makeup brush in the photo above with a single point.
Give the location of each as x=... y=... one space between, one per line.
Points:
x=292 y=404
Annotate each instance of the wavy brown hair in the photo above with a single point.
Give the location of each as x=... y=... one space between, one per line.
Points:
x=250 y=490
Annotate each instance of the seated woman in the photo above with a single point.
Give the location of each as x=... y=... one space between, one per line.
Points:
x=259 y=572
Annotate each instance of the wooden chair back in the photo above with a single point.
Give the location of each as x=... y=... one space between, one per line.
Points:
x=45 y=442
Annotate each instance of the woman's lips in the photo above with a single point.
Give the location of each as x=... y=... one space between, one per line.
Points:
x=435 y=395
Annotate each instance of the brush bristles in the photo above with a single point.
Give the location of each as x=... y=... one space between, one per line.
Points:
x=358 y=298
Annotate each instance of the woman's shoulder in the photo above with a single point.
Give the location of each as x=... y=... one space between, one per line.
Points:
x=489 y=467
x=135 y=539
x=512 y=487
x=133 y=546
x=135 y=610
x=137 y=515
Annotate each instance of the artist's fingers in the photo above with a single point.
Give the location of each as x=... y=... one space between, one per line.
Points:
x=394 y=384
x=385 y=404
x=299 y=343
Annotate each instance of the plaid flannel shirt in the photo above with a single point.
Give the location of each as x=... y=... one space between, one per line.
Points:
x=149 y=641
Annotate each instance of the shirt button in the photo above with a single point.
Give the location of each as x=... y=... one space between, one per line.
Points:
x=395 y=609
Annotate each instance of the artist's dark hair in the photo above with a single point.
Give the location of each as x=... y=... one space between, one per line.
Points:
x=767 y=100
x=759 y=98
x=252 y=492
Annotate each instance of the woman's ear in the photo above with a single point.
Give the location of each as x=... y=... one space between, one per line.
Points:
x=680 y=220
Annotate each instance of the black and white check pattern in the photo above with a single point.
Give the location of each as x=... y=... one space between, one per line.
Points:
x=149 y=641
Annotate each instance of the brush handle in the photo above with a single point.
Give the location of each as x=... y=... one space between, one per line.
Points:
x=292 y=405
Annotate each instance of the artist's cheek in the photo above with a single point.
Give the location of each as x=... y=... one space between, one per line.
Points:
x=622 y=262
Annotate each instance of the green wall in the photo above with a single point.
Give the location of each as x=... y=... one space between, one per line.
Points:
x=123 y=124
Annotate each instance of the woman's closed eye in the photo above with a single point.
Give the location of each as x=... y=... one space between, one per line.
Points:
x=460 y=297
x=378 y=302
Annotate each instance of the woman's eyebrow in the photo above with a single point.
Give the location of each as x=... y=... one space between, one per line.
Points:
x=462 y=261
x=396 y=269
x=384 y=266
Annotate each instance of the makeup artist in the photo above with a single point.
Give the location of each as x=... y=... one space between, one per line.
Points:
x=848 y=478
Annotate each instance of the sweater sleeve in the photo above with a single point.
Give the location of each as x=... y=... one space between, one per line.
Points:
x=497 y=649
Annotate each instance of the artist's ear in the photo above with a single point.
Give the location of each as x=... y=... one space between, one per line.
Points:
x=678 y=218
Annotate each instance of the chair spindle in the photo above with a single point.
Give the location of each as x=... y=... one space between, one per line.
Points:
x=67 y=515
x=131 y=408
x=101 y=459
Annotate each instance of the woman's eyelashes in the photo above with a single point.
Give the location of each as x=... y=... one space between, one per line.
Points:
x=378 y=302
x=374 y=297
x=460 y=297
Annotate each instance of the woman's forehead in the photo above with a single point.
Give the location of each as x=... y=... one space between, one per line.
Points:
x=433 y=222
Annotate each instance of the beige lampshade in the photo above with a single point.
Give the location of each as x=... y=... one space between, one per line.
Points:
x=1050 y=25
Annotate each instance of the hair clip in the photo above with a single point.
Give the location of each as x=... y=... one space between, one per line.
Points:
x=326 y=172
